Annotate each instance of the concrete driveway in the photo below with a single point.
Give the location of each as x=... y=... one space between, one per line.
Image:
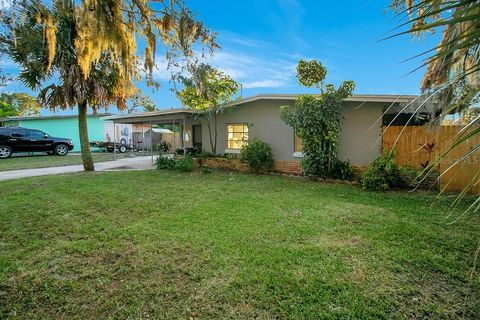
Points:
x=136 y=163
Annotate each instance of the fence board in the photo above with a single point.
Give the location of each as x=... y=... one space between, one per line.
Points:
x=408 y=142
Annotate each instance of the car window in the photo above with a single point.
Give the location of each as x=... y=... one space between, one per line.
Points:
x=18 y=133
x=36 y=134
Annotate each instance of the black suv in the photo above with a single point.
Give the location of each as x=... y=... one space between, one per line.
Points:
x=16 y=139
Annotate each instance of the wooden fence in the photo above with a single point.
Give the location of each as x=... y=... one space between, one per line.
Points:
x=416 y=146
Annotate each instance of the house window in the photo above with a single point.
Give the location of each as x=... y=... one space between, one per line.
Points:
x=298 y=144
x=237 y=135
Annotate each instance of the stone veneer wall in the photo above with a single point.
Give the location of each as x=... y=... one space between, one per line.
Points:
x=290 y=167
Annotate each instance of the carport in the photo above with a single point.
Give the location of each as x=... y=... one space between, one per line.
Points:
x=183 y=118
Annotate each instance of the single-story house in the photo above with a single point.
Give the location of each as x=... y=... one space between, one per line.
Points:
x=259 y=116
x=63 y=126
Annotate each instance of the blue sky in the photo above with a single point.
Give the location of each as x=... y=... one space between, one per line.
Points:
x=262 y=40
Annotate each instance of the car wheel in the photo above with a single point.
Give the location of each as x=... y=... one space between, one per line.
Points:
x=110 y=149
x=5 y=152
x=122 y=148
x=61 y=150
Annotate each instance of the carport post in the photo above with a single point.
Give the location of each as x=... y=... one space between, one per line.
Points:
x=183 y=134
x=151 y=141
x=173 y=129
x=114 y=141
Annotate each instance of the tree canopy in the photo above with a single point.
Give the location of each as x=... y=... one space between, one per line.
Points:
x=453 y=66
x=207 y=89
x=317 y=119
x=23 y=104
x=85 y=53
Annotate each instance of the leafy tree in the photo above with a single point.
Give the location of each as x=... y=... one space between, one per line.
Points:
x=139 y=100
x=87 y=50
x=207 y=90
x=317 y=119
x=23 y=103
x=7 y=110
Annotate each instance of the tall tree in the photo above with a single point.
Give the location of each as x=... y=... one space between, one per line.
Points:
x=88 y=50
x=207 y=90
x=7 y=110
x=453 y=70
x=23 y=103
x=139 y=100
x=456 y=59
x=317 y=120
x=453 y=66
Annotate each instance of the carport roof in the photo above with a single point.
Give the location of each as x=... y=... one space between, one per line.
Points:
x=154 y=116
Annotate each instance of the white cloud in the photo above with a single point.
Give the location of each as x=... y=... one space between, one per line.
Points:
x=251 y=70
x=5 y=4
x=263 y=84
x=255 y=71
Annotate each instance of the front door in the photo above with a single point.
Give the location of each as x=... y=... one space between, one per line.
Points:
x=39 y=141
x=197 y=136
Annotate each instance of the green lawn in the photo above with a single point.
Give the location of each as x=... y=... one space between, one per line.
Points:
x=160 y=244
x=43 y=161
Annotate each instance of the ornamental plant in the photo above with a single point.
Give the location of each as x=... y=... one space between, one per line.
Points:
x=384 y=173
x=317 y=119
x=258 y=155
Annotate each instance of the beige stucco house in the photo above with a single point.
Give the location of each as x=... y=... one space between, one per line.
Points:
x=259 y=117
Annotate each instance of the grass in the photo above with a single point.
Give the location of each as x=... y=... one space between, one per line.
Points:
x=44 y=161
x=160 y=244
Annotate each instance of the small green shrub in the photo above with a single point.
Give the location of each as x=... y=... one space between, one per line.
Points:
x=185 y=164
x=383 y=174
x=230 y=156
x=258 y=155
x=164 y=146
x=205 y=169
x=409 y=176
x=204 y=154
x=342 y=170
x=165 y=163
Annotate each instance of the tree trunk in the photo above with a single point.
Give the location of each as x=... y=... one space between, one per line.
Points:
x=210 y=136
x=215 y=134
x=83 y=132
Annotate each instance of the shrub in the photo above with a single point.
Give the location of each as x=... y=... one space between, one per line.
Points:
x=383 y=174
x=230 y=156
x=409 y=176
x=191 y=151
x=205 y=169
x=164 y=146
x=258 y=155
x=205 y=154
x=342 y=170
x=179 y=152
x=185 y=164
x=165 y=163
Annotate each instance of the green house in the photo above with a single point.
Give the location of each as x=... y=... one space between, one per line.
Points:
x=63 y=126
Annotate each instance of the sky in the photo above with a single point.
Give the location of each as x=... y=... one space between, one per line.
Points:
x=262 y=40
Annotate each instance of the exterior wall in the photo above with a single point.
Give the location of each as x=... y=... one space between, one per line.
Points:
x=356 y=144
x=66 y=128
x=9 y=124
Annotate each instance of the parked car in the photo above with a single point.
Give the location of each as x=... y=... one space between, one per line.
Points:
x=17 y=139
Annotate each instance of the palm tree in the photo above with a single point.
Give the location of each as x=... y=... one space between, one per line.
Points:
x=84 y=54
x=453 y=66
x=70 y=87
